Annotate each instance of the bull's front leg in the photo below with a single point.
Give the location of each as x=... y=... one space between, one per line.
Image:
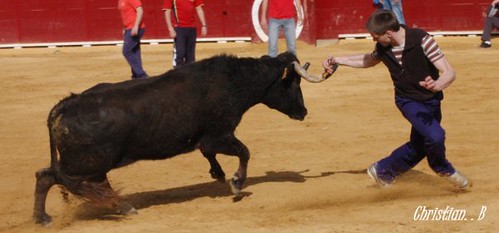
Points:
x=237 y=182
x=229 y=145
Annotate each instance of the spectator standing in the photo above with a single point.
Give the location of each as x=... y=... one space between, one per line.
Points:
x=491 y=22
x=282 y=14
x=393 y=5
x=133 y=29
x=183 y=28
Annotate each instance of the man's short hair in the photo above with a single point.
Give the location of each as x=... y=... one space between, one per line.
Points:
x=381 y=21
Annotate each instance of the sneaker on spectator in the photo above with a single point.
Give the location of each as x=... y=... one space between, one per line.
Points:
x=373 y=173
x=459 y=180
x=485 y=44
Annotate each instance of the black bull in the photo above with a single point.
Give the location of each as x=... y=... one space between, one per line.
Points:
x=197 y=106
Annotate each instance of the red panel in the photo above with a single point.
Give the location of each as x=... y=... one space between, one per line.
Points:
x=216 y=14
x=48 y=21
x=103 y=21
x=335 y=17
x=224 y=18
x=237 y=18
x=154 y=19
x=31 y=21
x=341 y=16
x=453 y=15
x=308 y=33
x=8 y=22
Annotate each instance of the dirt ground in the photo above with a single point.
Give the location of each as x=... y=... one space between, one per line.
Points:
x=304 y=176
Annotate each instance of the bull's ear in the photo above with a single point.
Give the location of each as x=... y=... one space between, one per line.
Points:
x=288 y=75
x=284 y=73
x=288 y=71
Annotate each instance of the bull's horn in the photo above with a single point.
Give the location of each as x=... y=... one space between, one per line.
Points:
x=307 y=64
x=304 y=74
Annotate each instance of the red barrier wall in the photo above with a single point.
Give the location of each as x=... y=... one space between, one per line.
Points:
x=44 y=21
x=347 y=16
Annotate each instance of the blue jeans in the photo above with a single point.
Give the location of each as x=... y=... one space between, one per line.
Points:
x=289 y=27
x=131 y=52
x=427 y=140
x=396 y=8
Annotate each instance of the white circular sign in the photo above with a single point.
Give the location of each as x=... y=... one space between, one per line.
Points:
x=256 y=21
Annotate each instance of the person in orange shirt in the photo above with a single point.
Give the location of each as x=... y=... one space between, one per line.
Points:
x=133 y=30
x=183 y=28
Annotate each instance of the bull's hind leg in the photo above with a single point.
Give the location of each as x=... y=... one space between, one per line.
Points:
x=215 y=168
x=44 y=180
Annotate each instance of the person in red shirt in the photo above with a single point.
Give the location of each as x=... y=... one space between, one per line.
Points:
x=133 y=30
x=281 y=14
x=183 y=28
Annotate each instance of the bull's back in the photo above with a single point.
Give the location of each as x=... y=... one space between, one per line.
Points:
x=105 y=128
x=154 y=118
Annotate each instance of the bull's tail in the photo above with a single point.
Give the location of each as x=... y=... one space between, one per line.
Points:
x=70 y=183
x=54 y=163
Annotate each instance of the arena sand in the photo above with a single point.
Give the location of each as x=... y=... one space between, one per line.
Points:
x=304 y=176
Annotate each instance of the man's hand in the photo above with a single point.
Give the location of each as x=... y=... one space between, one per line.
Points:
x=172 y=32
x=204 y=30
x=263 y=23
x=328 y=64
x=431 y=85
x=135 y=31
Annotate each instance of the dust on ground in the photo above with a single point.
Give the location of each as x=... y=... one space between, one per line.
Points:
x=304 y=176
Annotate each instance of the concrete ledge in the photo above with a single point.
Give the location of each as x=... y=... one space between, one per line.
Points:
x=118 y=42
x=434 y=33
x=320 y=43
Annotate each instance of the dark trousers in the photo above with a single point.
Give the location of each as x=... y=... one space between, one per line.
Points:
x=427 y=140
x=131 y=52
x=184 y=46
x=490 y=23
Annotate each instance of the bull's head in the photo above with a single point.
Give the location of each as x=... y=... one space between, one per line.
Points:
x=286 y=95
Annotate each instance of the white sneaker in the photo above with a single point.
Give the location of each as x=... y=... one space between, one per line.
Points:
x=371 y=172
x=459 y=180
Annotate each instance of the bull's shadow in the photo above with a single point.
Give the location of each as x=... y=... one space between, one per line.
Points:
x=212 y=189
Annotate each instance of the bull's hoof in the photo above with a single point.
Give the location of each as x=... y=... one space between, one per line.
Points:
x=236 y=185
x=221 y=179
x=218 y=175
x=130 y=211
x=43 y=172
x=43 y=219
x=126 y=209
